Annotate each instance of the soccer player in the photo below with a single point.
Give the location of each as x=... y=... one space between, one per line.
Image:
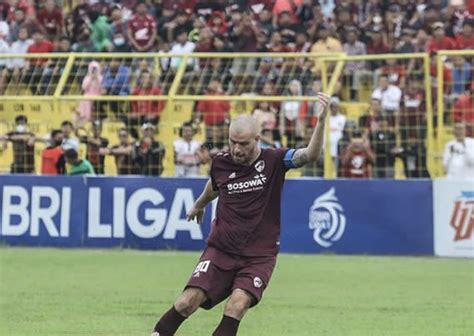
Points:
x=241 y=250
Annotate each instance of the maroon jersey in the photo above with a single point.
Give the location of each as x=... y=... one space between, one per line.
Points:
x=248 y=211
x=142 y=28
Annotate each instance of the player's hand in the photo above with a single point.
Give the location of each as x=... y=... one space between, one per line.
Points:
x=322 y=107
x=195 y=213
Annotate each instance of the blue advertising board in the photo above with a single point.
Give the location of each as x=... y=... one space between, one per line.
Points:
x=335 y=216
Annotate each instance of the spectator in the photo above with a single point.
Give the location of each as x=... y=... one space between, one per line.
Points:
x=95 y=147
x=50 y=18
x=324 y=44
x=217 y=22
x=371 y=121
x=101 y=32
x=337 y=122
x=463 y=111
x=181 y=47
x=116 y=82
x=383 y=142
x=358 y=158
x=376 y=44
x=217 y=142
x=4 y=49
x=214 y=113
x=266 y=116
x=20 y=20
x=76 y=165
x=440 y=41
x=142 y=29
x=36 y=67
x=293 y=115
x=69 y=141
x=405 y=45
x=246 y=33
x=302 y=44
x=123 y=153
x=268 y=139
x=52 y=157
x=23 y=147
x=458 y=158
x=354 y=70
x=149 y=153
x=91 y=86
x=187 y=153
x=119 y=29
x=465 y=39
x=144 y=111
x=390 y=96
x=413 y=153
x=286 y=6
x=14 y=66
x=182 y=22
x=413 y=113
x=461 y=75
x=287 y=28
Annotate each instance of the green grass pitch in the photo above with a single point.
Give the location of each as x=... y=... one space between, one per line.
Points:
x=123 y=292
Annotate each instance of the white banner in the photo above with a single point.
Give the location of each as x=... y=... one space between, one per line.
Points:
x=453 y=218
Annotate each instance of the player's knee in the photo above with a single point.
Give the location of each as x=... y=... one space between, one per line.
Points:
x=189 y=301
x=237 y=306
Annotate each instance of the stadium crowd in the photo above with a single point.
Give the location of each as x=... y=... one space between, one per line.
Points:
x=366 y=147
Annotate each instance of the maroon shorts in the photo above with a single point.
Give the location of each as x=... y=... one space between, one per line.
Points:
x=219 y=273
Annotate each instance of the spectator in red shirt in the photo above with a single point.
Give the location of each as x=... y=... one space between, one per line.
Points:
x=35 y=68
x=146 y=111
x=142 y=29
x=440 y=41
x=52 y=157
x=51 y=19
x=358 y=158
x=376 y=45
x=463 y=112
x=465 y=39
x=217 y=23
x=214 y=113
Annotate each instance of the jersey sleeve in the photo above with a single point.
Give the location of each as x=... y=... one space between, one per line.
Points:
x=285 y=156
x=212 y=175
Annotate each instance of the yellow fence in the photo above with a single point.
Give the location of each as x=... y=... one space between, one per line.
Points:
x=49 y=91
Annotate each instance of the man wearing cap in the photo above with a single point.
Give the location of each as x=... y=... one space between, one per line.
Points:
x=439 y=40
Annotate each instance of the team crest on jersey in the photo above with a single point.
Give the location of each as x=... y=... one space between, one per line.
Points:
x=257 y=282
x=327 y=219
x=462 y=218
x=260 y=166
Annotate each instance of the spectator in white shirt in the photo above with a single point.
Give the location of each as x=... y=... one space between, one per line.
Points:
x=182 y=46
x=15 y=65
x=4 y=49
x=458 y=156
x=187 y=153
x=337 y=122
x=390 y=95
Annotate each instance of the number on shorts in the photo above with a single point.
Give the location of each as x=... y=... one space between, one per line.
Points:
x=202 y=266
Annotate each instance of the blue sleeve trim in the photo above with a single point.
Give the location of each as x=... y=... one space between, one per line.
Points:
x=288 y=159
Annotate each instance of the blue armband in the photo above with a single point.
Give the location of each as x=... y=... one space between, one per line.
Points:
x=288 y=159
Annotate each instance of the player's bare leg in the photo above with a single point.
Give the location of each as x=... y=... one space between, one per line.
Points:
x=235 y=309
x=187 y=303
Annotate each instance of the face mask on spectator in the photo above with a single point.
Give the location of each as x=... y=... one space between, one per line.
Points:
x=119 y=41
x=21 y=128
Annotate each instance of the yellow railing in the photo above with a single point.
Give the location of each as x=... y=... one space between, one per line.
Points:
x=330 y=77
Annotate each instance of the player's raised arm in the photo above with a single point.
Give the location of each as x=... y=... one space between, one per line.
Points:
x=208 y=195
x=311 y=153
